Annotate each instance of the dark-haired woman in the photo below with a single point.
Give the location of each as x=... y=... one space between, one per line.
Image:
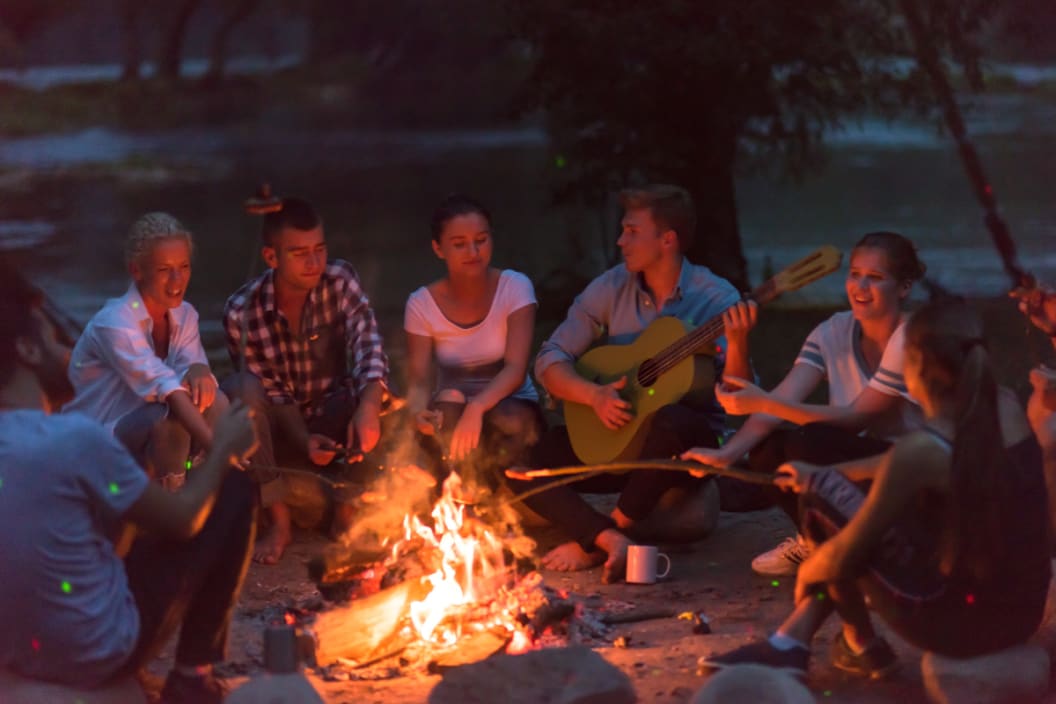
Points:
x=949 y=546
x=472 y=331
x=859 y=354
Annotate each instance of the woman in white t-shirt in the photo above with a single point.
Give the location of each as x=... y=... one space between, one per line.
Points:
x=472 y=331
x=860 y=354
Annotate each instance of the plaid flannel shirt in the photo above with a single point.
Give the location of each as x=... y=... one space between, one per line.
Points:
x=285 y=363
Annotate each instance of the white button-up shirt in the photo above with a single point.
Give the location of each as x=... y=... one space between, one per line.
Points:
x=114 y=368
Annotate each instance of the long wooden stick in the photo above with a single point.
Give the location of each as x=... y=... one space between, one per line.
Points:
x=743 y=475
x=571 y=475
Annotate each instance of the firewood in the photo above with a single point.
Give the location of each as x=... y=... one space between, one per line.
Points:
x=361 y=629
x=471 y=648
x=645 y=614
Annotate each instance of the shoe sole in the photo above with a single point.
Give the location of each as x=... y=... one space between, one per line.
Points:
x=762 y=573
x=794 y=671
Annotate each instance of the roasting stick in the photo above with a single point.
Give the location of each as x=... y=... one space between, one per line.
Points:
x=743 y=475
x=570 y=475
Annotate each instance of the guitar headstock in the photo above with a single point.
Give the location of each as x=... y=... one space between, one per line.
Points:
x=819 y=263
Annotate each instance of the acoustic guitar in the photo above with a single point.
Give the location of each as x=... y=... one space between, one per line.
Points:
x=664 y=364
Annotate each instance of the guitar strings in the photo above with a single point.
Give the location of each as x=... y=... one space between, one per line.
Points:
x=673 y=354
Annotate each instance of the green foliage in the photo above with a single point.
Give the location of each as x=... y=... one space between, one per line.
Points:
x=644 y=87
x=688 y=91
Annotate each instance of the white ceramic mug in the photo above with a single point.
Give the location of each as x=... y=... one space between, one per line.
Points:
x=641 y=564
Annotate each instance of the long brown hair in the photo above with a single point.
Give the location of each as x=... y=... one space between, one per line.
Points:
x=955 y=366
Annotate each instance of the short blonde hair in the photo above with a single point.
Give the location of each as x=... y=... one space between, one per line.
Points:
x=151 y=228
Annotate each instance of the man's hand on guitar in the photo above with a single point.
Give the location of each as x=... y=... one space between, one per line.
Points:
x=610 y=407
x=738 y=321
x=740 y=397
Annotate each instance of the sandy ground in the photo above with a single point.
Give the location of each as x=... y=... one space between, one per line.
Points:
x=712 y=576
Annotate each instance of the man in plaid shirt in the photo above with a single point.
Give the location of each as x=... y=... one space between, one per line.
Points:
x=307 y=354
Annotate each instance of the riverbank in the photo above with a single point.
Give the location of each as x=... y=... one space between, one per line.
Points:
x=345 y=93
x=342 y=94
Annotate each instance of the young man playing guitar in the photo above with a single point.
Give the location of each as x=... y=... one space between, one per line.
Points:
x=654 y=280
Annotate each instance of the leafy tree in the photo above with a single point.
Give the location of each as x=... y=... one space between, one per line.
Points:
x=694 y=93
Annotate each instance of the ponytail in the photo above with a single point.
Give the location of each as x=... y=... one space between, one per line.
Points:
x=956 y=366
x=978 y=460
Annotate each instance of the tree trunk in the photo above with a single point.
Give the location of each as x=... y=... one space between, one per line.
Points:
x=327 y=30
x=133 y=56
x=239 y=11
x=170 y=53
x=713 y=187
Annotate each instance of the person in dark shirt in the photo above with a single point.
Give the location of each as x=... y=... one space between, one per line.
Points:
x=948 y=546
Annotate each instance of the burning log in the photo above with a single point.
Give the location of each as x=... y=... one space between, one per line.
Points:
x=472 y=649
x=361 y=630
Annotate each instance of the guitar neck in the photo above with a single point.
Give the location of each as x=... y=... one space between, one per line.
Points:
x=702 y=335
x=821 y=262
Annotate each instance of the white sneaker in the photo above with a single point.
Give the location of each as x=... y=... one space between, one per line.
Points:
x=783 y=560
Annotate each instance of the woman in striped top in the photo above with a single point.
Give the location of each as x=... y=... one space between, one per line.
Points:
x=859 y=354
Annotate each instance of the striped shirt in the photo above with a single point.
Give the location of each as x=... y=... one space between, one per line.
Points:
x=307 y=366
x=834 y=348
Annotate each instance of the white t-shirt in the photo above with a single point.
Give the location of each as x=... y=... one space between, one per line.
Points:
x=468 y=358
x=113 y=367
x=66 y=611
x=833 y=348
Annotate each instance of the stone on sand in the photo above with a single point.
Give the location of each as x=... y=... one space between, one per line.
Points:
x=15 y=689
x=752 y=683
x=1046 y=634
x=1019 y=674
x=575 y=675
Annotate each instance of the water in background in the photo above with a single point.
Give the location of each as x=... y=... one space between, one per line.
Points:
x=376 y=191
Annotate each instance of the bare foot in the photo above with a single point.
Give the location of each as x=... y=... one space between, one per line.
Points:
x=615 y=544
x=570 y=557
x=268 y=550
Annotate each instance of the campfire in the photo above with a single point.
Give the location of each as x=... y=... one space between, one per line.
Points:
x=448 y=591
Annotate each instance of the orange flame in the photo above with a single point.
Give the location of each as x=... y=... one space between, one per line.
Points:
x=471 y=557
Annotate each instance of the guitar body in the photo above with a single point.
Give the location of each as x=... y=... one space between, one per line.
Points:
x=664 y=364
x=592 y=442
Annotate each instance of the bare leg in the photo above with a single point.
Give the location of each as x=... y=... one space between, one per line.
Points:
x=615 y=545
x=269 y=549
x=806 y=619
x=168 y=448
x=858 y=629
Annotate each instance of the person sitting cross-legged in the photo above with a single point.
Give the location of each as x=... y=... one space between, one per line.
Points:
x=139 y=368
x=73 y=611
x=472 y=330
x=858 y=353
x=654 y=280
x=306 y=345
x=949 y=546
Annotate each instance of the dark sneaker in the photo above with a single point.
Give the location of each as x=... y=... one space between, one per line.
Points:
x=793 y=661
x=184 y=689
x=875 y=662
